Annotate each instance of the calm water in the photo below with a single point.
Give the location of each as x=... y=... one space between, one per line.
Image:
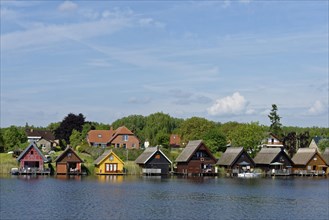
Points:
x=131 y=197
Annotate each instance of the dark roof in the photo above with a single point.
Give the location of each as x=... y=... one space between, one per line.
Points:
x=325 y=155
x=231 y=154
x=28 y=148
x=148 y=153
x=104 y=155
x=266 y=155
x=64 y=153
x=189 y=150
x=48 y=135
x=304 y=155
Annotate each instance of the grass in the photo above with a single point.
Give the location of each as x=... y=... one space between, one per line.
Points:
x=7 y=161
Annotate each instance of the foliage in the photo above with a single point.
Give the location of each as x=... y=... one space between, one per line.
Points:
x=75 y=138
x=13 y=138
x=323 y=144
x=53 y=126
x=290 y=143
x=7 y=162
x=195 y=128
x=249 y=136
x=162 y=139
x=275 y=126
x=215 y=140
x=70 y=122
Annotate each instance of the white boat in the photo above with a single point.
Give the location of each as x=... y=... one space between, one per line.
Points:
x=248 y=175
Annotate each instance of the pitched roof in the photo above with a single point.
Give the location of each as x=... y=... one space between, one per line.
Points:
x=28 y=148
x=317 y=139
x=189 y=150
x=100 y=136
x=266 y=155
x=64 y=153
x=102 y=157
x=148 y=153
x=123 y=130
x=48 y=135
x=304 y=155
x=230 y=155
x=174 y=139
x=325 y=155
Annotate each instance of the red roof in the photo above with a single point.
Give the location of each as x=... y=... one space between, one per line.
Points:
x=175 y=140
x=106 y=136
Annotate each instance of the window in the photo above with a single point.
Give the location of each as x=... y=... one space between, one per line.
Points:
x=32 y=152
x=124 y=146
x=118 y=145
x=99 y=136
x=69 y=155
x=157 y=156
x=133 y=145
x=125 y=137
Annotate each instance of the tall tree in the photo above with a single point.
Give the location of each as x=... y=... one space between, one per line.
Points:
x=195 y=128
x=275 y=126
x=70 y=122
x=248 y=136
x=215 y=140
x=290 y=143
x=13 y=138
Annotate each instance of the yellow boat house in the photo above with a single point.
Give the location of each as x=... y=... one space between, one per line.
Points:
x=108 y=164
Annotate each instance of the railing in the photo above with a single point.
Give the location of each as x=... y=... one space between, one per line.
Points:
x=151 y=171
x=279 y=172
x=33 y=170
x=309 y=172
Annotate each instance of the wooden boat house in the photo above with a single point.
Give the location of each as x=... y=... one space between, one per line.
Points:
x=236 y=160
x=274 y=161
x=154 y=162
x=325 y=156
x=32 y=161
x=308 y=161
x=109 y=164
x=68 y=163
x=195 y=159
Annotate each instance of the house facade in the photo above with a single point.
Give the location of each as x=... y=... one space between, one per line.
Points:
x=154 y=162
x=309 y=161
x=122 y=137
x=32 y=161
x=274 y=161
x=175 y=141
x=195 y=159
x=68 y=163
x=273 y=141
x=108 y=164
x=236 y=160
x=44 y=139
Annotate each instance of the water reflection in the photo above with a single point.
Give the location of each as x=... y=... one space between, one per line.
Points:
x=68 y=177
x=118 y=179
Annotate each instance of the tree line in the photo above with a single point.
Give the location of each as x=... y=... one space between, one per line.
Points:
x=156 y=129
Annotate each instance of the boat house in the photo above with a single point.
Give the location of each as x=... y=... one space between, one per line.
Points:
x=308 y=161
x=109 y=164
x=195 y=159
x=236 y=160
x=274 y=161
x=32 y=161
x=154 y=162
x=68 y=163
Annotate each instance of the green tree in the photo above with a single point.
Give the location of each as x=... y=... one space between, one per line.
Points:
x=75 y=138
x=13 y=138
x=162 y=139
x=69 y=123
x=195 y=128
x=248 y=136
x=323 y=144
x=215 y=140
x=275 y=126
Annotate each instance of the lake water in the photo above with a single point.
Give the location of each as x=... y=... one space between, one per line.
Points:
x=134 y=197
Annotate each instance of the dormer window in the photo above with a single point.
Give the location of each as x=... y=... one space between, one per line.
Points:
x=125 y=137
x=99 y=136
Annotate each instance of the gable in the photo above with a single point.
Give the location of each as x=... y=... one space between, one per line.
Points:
x=108 y=157
x=68 y=155
x=33 y=152
x=191 y=149
x=158 y=158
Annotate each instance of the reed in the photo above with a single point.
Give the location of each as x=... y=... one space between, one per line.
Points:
x=7 y=161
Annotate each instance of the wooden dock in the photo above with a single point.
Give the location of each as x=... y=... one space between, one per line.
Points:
x=33 y=171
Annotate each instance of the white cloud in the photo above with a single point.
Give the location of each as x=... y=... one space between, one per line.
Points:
x=235 y=104
x=317 y=108
x=67 y=6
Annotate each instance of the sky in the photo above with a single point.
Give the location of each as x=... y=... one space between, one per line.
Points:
x=221 y=60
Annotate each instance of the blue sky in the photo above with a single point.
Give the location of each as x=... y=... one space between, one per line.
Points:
x=222 y=60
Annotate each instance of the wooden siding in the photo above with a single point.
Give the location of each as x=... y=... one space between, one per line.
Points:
x=101 y=167
x=158 y=161
x=32 y=160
